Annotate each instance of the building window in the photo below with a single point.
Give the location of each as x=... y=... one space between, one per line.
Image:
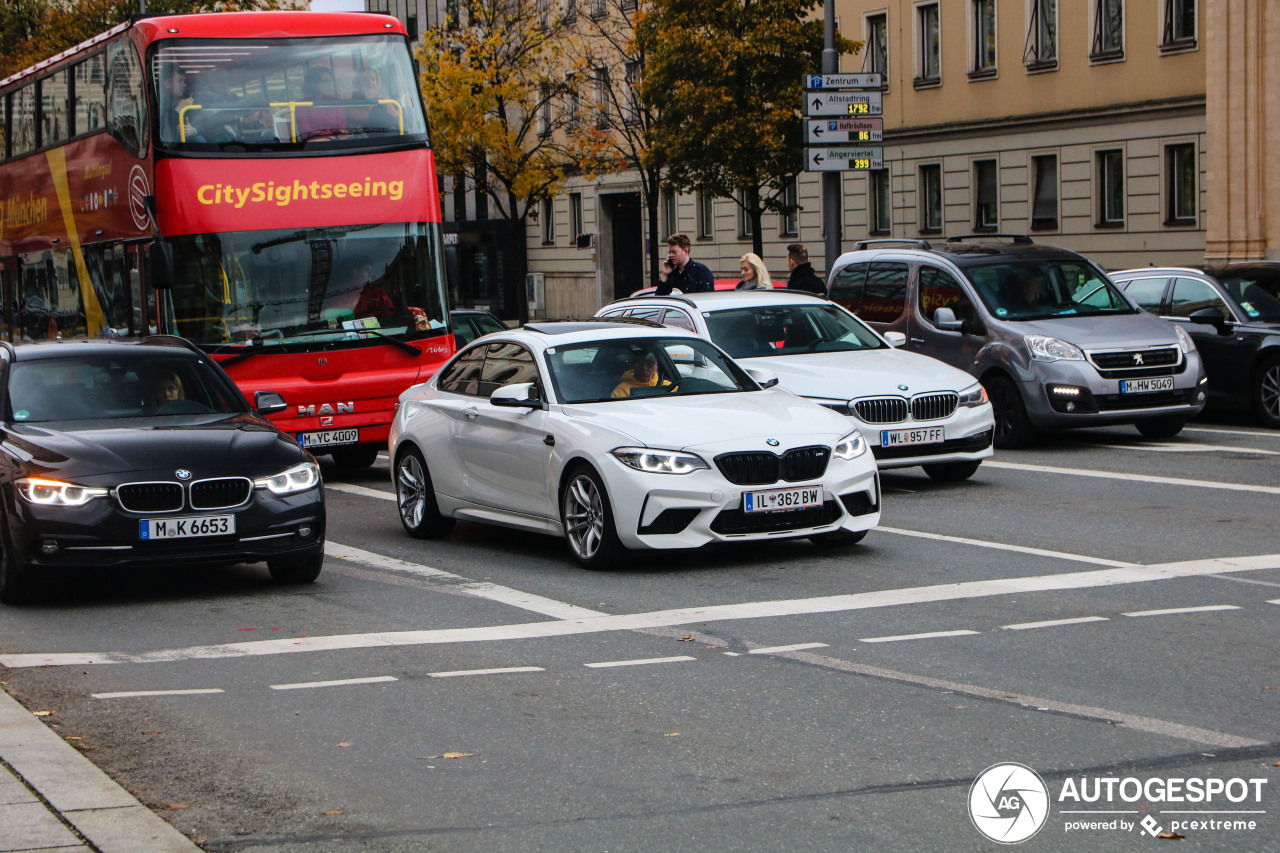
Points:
x=1044 y=199
x=706 y=216
x=671 y=222
x=1041 y=51
x=928 y=46
x=543 y=10
x=876 y=59
x=881 y=202
x=631 y=107
x=548 y=217
x=459 y=197
x=572 y=102
x=575 y=216
x=1179 y=26
x=984 y=39
x=789 y=221
x=1108 y=31
x=1182 y=180
x=602 y=98
x=1110 y=189
x=570 y=11
x=598 y=9
x=931 y=198
x=986 y=207
x=746 y=229
x=628 y=5
x=544 y=110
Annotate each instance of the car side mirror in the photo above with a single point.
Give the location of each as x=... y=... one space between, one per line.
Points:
x=521 y=395
x=945 y=319
x=268 y=403
x=764 y=378
x=1211 y=317
x=895 y=339
x=161 y=259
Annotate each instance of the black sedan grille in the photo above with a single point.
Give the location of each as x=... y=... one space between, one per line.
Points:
x=934 y=407
x=1135 y=359
x=881 y=410
x=761 y=468
x=150 y=497
x=222 y=493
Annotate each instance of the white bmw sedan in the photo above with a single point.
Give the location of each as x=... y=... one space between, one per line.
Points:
x=624 y=435
x=912 y=409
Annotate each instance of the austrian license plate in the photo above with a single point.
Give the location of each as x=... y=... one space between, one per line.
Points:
x=922 y=435
x=328 y=438
x=1146 y=386
x=780 y=499
x=186 y=528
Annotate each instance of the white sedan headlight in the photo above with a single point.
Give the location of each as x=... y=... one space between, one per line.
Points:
x=850 y=446
x=973 y=396
x=1184 y=340
x=659 y=461
x=1045 y=348
x=299 y=478
x=56 y=493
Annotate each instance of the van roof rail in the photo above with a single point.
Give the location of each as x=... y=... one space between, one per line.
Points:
x=1021 y=239
x=914 y=243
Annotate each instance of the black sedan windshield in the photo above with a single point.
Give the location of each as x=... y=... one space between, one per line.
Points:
x=120 y=385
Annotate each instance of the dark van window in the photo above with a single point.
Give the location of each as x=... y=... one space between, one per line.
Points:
x=885 y=294
x=846 y=286
x=938 y=289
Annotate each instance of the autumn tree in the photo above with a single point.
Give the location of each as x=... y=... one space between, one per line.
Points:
x=723 y=78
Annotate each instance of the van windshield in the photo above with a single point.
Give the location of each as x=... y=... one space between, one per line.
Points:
x=1041 y=289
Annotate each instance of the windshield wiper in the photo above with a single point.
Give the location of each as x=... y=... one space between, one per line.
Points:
x=404 y=345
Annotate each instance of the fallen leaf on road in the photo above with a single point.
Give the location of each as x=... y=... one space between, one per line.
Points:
x=344 y=744
x=246 y=629
x=688 y=639
x=74 y=737
x=42 y=713
x=673 y=734
x=173 y=807
x=1169 y=835
x=460 y=755
x=331 y=811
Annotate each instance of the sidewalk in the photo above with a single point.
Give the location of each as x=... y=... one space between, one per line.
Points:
x=70 y=793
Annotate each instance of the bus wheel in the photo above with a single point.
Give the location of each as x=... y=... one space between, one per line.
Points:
x=361 y=456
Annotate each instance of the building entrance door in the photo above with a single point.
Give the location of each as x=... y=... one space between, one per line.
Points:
x=625 y=242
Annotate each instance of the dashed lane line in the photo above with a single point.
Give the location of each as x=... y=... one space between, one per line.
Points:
x=773 y=650
x=1000 y=546
x=503 y=670
x=1140 y=478
x=1191 y=447
x=1236 y=432
x=1170 y=611
x=130 y=694
x=638 y=662
x=927 y=635
x=341 y=682
x=1054 y=623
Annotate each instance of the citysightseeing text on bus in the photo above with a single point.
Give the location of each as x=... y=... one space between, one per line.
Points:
x=284 y=194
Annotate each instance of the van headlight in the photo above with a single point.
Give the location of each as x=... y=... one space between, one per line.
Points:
x=299 y=478
x=38 y=490
x=1184 y=340
x=850 y=446
x=1045 y=348
x=652 y=461
x=973 y=396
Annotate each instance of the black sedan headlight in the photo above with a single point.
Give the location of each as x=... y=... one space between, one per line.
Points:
x=42 y=492
x=299 y=478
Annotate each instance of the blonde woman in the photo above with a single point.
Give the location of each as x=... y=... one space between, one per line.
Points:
x=754 y=274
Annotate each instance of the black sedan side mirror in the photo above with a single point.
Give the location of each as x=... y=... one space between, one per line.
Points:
x=1211 y=317
x=268 y=403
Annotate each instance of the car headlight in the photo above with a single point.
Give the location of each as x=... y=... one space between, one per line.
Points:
x=299 y=478
x=1045 y=348
x=56 y=493
x=850 y=446
x=659 y=461
x=1184 y=340
x=973 y=396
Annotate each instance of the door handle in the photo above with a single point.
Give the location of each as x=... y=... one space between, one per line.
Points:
x=916 y=340
x=471 y=412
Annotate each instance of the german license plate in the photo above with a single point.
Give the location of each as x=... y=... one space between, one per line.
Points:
x=186 y=528
x=780 y=499
x=1146 y=386
x=921 y=435
x=328 y=438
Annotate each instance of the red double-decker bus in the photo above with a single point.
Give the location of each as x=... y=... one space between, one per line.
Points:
x=261 y=183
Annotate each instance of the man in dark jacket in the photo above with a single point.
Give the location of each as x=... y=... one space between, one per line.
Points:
x=687 y=275
x=802 y=275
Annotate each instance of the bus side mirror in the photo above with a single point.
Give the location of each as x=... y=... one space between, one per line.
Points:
x=161 y=265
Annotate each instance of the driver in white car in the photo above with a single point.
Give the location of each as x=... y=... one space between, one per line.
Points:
x=643 y=374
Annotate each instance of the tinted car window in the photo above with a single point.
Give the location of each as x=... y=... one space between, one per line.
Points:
x=679 y=319
x=939 y=289
x=506 y=364
x=885 y=294
x=463 y=376
x=594 y=372
x=788 y=330
x=847 y=285
x=1257 y=292
x=1146 y=292
x=1191 y=295
x=1040 y=289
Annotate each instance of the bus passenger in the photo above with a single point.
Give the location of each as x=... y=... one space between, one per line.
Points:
x=371 y=117
x=319 y=121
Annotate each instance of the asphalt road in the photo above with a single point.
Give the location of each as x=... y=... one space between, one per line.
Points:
x=1098 y=607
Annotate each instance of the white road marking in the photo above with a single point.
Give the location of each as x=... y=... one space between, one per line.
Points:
x=499 y=671
x=666 y=618
x=1247 y=580
x=1000 y=546
x=1233 y=432
x=928 y=635
x=1172 y=610
x=773 y=650
x=1274 y=601
x=342 y=682
x=480 y=589
x=1053 y=623
x=363 y=491
x=1191 y=448
x=641 y=662
x=130 y=693
x=1140 y=478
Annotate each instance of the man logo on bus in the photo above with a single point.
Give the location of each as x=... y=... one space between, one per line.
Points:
x=1008 y=803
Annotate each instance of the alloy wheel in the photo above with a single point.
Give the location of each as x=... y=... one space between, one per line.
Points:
x=584 y=516
x=411 y=491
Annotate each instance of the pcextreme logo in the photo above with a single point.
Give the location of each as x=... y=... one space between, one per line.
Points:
x=1009 y=803
x=284 y=194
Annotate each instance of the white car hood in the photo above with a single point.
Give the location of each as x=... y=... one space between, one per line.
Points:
x=742 y=421
x=865 y=373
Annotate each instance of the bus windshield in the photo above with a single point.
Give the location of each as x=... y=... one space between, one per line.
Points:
x=311 y=288
x=284 y=94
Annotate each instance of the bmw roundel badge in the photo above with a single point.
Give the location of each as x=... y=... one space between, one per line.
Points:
x=902 y=387
x=182 y=474
x=772 y=442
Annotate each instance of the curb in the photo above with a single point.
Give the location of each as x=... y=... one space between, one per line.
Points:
x=107 y=815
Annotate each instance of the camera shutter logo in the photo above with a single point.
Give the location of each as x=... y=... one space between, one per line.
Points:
x=1008 y=803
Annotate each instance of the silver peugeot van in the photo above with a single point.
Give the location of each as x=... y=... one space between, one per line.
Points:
x=1051 y=338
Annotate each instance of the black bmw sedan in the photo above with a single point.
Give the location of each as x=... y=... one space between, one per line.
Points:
x=121 y=454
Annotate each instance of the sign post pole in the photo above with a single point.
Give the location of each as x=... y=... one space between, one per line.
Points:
x=832 y=182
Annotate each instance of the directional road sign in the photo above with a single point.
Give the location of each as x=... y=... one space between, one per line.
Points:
x=833 y=131
x=843 y=159
x=843 y=81
x=842 y=104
